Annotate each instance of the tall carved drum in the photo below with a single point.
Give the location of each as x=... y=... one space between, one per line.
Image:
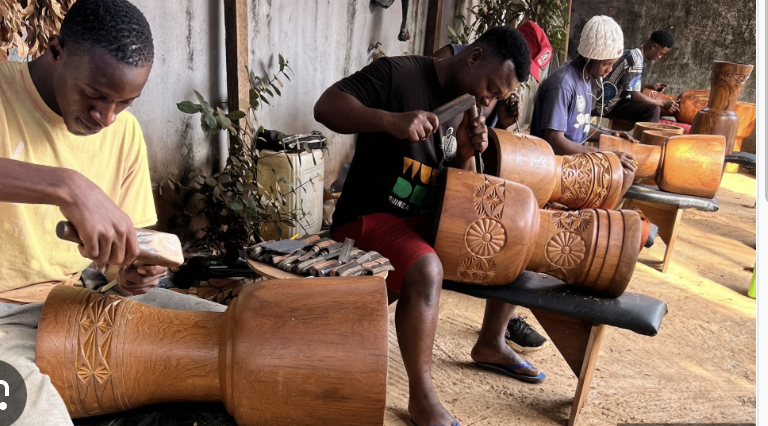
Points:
x=684 y=164
x=719 y=117
x=580 y=181
x=489 y=230
x=298 y=352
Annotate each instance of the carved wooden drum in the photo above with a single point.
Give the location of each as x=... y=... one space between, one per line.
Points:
x=298 y=352
x=580 y=181
x=489 y=230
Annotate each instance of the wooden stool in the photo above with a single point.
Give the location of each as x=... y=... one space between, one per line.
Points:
x=665 y=210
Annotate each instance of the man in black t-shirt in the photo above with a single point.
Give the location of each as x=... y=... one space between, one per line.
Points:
x=391 y=192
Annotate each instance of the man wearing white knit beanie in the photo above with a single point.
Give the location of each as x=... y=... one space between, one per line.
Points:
x=561 y=112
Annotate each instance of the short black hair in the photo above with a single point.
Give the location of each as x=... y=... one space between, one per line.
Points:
x=510 y=45
x=663 y=38
x=116 y=26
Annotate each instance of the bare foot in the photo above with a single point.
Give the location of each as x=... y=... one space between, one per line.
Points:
x=500 y=353
x=427 y=410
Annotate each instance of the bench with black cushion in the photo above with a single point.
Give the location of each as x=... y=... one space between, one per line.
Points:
x=574 y=320
x=665 y=210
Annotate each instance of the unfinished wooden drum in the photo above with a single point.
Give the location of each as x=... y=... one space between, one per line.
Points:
x=489 y=230
x=747 y=112
x=684 y=164
x=298 y=352
x=637 y=131
x=580 y=181
x=656 y=137
x=691 y=102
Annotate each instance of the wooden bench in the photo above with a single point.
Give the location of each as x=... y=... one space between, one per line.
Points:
x=665 y=210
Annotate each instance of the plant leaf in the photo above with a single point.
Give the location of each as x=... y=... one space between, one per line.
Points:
x=188 y=107
x=209 y=120
x=224 y=179
x=275 y=89
x=211 y=181
x=202 y=100
x=236 y=115
x=286 y=182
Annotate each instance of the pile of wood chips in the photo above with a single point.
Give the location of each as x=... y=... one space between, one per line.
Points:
x=28 y=25
x=322 y=257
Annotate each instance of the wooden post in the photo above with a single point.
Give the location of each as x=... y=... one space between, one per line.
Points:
x=236 y=36
x=564 y=54
x=434 y=22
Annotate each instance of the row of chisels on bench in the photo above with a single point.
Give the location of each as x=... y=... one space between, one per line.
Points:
x=317 y=256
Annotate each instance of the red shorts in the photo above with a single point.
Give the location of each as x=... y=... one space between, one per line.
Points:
x=400 y=239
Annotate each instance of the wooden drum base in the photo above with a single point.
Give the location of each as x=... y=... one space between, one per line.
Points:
x=298 y=352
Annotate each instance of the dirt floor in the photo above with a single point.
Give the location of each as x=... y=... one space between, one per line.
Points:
x=699 y=368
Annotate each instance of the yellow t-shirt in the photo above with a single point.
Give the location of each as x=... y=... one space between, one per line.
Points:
x=32 y=258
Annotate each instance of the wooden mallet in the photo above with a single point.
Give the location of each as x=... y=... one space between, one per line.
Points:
x=155 y=248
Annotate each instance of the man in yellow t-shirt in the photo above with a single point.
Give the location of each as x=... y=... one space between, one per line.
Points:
x=68 y=150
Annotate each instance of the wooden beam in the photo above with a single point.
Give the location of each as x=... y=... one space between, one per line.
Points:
x=564 y=55
x=434 y=23
x=236 y=41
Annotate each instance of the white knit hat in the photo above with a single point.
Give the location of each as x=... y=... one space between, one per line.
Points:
x=601 y=39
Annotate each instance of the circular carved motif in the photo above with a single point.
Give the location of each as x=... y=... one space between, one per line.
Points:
x=485 y=237
x=565 y=250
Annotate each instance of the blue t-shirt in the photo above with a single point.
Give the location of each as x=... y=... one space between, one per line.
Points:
x=563 y=103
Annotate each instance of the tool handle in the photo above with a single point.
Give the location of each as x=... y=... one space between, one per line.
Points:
x=472 y=112
x=66 y=231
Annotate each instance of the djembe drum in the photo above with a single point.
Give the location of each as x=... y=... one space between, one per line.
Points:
x=489 y=230
x=580 y=181
x=294 y=351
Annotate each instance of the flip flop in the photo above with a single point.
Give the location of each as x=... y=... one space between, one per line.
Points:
x=509 y=370
x=455 y=423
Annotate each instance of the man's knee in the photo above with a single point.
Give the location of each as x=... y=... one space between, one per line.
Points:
x=425 y=277
x=653 y=115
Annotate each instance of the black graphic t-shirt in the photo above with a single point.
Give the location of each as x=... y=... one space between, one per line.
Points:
x=390 y=175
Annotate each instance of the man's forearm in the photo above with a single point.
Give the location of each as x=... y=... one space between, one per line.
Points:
x=28 y=183
x=643 y=98
x=343 y=113
x=562 y=146
x=465 y=163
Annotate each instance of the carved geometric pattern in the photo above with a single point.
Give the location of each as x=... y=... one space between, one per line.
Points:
x=485 y=237
x=92 y=356
x=586 y=180
x=567 y=275
x=489 y=199
x=477 y=269
x=565 y=250
x=739 y=79
x=576 y=221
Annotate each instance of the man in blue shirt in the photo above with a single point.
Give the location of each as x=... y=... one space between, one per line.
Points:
x=561 y=111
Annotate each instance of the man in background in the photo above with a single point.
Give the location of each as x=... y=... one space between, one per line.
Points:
x=621 y=95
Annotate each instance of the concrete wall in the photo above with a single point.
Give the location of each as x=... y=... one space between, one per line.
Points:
x=324 y=41
x=704 y=31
